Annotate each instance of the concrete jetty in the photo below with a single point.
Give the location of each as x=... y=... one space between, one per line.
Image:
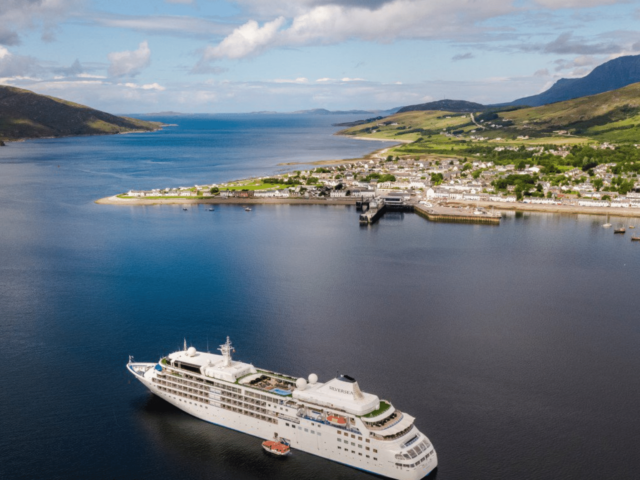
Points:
x=432 y=213
x=457 y=215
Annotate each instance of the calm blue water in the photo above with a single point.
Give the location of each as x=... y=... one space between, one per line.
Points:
x=515 y=347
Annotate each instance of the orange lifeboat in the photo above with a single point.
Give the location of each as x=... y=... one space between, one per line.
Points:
x=276 y=448
x=337 y=420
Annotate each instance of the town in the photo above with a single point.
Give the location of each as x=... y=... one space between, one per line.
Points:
x=433 y=179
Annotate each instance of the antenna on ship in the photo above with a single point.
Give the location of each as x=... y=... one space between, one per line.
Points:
x=226 y=350
x=185 y=344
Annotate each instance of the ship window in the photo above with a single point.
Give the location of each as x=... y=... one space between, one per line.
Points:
x=312 y=432
x=374 y=458
x=339 y=433
x=353 y=436
x=359 y=446
x=367 y=448
x=368 y=457
x=339 y=448
x=367 y=440
x=287 y=424
x=375 y=451
x=306 y=429
x=340 y=440
x=360 y=454
x=359 y=439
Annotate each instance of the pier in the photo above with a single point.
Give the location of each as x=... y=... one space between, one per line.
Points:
x=437 y=213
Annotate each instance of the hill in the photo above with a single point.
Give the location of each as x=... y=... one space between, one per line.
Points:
x=607 y=117
x=614 y=74
x=25 y=114
x=446 y=106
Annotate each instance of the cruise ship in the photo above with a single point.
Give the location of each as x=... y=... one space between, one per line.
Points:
x=335 y=420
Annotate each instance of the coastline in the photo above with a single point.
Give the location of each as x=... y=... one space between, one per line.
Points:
x=518 y=207
x=6 y=142
x=114 y=200
x=567 y=209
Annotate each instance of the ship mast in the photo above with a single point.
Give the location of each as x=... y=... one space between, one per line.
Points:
x=226 y=350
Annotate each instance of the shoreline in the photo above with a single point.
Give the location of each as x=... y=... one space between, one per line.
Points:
x=567 y=209
x=114 y=200
x=518 y=207
x=26 y=139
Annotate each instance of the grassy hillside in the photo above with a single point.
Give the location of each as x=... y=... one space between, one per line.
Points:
x=608 y=117
x=25 y=114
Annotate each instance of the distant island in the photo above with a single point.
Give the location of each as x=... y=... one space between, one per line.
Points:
x=27 y=115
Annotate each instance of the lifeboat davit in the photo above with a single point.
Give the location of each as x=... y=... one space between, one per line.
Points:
x=337 y=420
x=276 y=448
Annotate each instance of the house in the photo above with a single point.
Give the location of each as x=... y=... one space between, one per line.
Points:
x=338 y=193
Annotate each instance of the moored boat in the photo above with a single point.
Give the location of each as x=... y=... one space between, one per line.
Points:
x=619 y=230
x=635 y=239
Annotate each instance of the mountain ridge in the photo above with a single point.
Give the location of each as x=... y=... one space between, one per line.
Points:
x=26 y=115
x=611 y=75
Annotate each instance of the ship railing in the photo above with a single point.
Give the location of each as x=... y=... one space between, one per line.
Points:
x=325 y=422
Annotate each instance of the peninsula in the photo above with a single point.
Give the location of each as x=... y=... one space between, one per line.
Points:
x=27 y=115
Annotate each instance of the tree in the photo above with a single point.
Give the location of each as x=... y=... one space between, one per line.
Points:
x=598 y=184
x=214 y=190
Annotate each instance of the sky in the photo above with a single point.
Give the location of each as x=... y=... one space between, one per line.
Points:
x=215 y=56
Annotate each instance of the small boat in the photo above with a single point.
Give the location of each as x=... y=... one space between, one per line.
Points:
x=185 y=209
x=632 y=226
x=279 y=449
x=619 y=230
x=607 y=225
x=247 y=209
x=337 y=420
x=635 y=239
x=211 y=209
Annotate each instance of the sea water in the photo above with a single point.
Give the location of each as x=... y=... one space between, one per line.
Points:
x=515 y=347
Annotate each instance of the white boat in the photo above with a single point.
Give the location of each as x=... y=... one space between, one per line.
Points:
x=247 y=209
x=607 y=225
x=334 y=420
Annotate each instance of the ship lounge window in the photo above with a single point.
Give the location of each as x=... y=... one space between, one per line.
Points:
x=340 y=440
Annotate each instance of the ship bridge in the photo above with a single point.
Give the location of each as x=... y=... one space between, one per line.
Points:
x=221 y=367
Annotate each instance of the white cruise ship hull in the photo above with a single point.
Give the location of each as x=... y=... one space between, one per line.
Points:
x=310 y=436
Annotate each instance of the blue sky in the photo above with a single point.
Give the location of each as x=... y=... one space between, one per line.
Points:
x=136 y=56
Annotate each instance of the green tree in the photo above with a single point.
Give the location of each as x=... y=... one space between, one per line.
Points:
x=598 y=184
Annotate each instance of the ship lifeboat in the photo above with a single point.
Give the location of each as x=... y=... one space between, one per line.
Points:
x=337 y=421
x=276 y=448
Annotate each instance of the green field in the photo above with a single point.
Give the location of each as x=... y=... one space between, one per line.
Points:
x=608 y=117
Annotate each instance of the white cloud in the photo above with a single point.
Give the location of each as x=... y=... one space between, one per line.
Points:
x=18 y=15
x=558 y=4
x=249 y=39
x=296 y=80
x=130 y=63
x=333 y=23
x=17 y=65
x=347 y=79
